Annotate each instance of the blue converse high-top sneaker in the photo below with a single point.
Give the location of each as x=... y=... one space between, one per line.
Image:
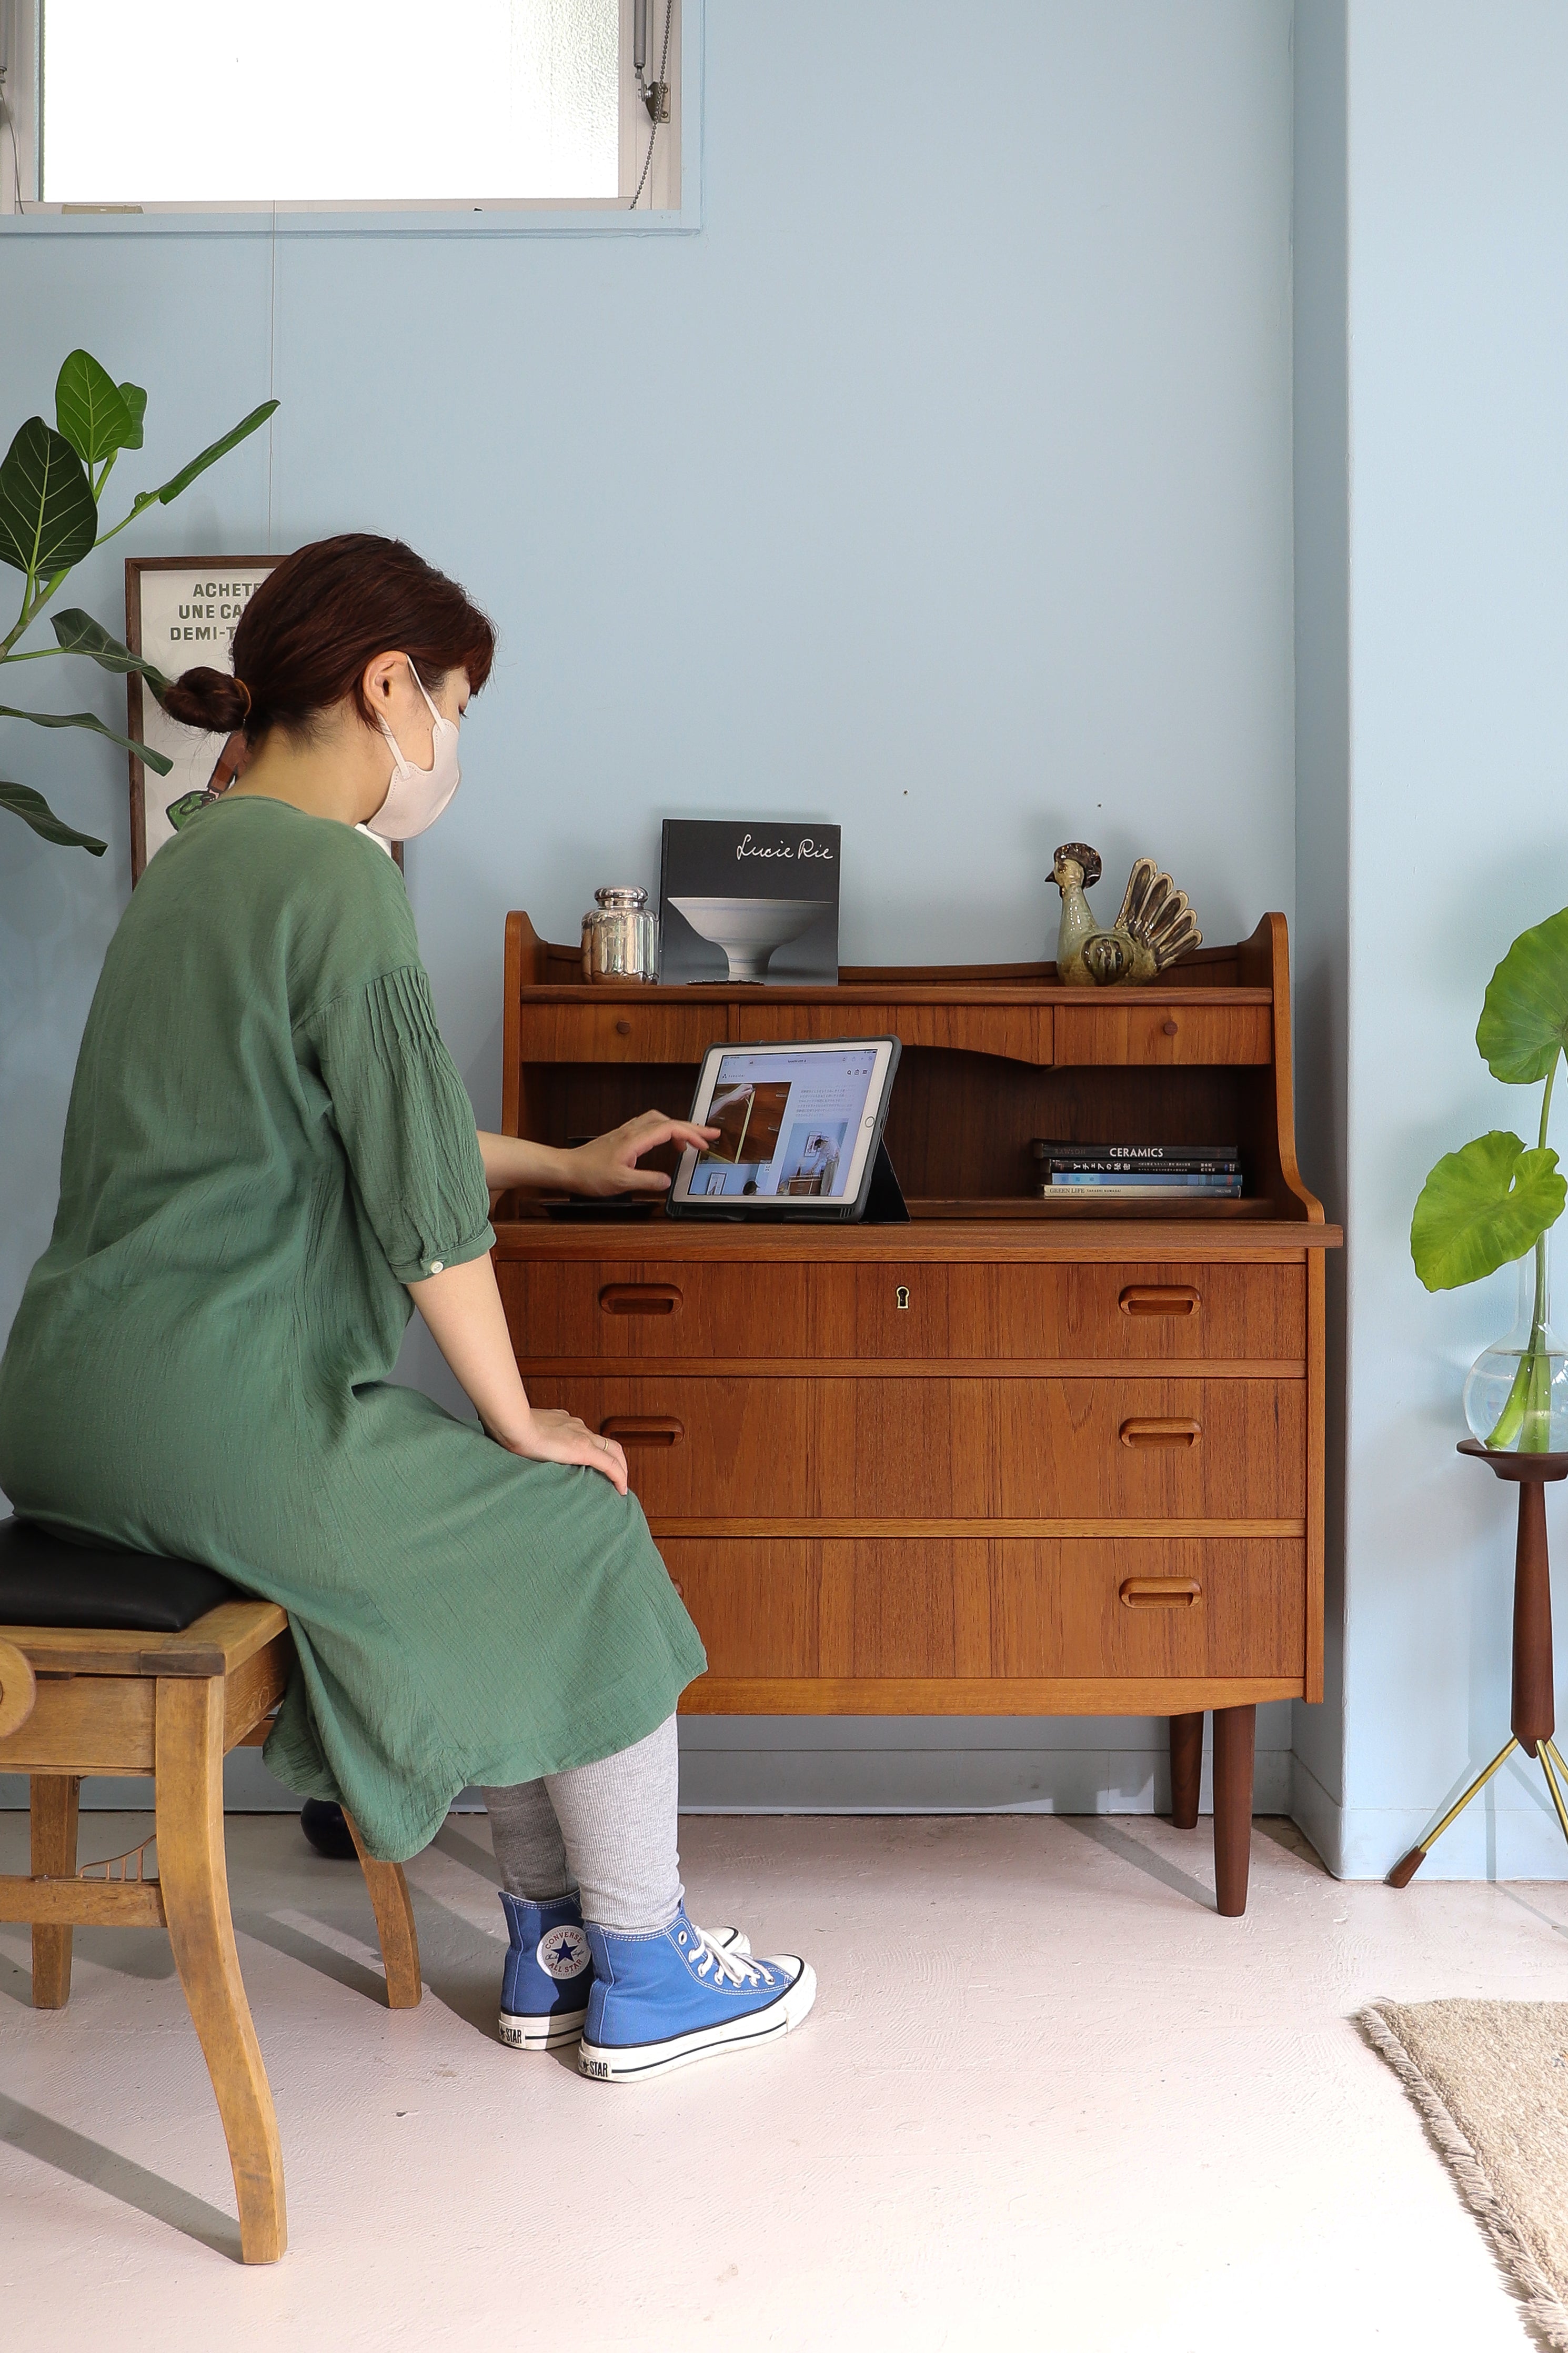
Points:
x=549 y=1969
x=662 y=2001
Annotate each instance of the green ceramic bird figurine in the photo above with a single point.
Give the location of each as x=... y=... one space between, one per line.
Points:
x=1155 y=924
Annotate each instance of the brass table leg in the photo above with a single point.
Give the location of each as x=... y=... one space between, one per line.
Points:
x=1405 y=1869
x=1532 y=1717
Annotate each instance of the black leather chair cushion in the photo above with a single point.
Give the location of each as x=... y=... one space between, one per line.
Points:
x=46 y=1582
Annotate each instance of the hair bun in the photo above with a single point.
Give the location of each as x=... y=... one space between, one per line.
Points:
x=208 y=699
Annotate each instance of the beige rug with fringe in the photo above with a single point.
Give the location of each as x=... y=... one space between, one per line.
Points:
x=1490 y=2078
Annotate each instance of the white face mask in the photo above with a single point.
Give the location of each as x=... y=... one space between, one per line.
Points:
x=415 y=796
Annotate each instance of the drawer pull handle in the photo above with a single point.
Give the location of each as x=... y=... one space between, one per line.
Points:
x=643 y=1429
x=639 y=1299
x=623 y=1028
x=1168 y=1028
x=1159 y=1299
x=1160 y=1592
x=1159 y=1431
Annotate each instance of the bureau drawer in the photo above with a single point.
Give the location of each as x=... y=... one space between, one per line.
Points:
x=792 y=1313
x=1127 y=1028
x=1080 y=1607
x=622 y=1031
x=716 y=1447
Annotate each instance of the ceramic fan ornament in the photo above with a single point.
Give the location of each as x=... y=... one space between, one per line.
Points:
x=1156 y=925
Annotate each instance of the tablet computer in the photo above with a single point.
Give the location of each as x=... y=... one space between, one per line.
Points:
x=799 y=1127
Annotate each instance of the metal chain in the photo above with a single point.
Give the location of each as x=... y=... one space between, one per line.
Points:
x=653 y=127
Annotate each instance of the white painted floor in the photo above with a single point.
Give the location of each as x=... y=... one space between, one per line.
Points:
x=1045 y=2091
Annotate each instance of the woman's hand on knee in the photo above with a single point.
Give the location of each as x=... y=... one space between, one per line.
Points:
x=553 y=1436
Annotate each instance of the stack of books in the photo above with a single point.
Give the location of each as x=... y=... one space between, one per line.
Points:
x=1137 y=1172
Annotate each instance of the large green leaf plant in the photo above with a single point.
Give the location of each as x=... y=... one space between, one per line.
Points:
x=51 y=483
x=1497 y=1198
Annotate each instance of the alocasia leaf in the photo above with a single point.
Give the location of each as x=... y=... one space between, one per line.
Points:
x=1483 y=1207
x=1524 y=1021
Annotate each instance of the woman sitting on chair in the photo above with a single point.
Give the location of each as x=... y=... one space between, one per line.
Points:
x=269 y=1156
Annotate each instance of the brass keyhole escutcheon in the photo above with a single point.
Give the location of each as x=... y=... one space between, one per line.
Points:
x=901 y=1297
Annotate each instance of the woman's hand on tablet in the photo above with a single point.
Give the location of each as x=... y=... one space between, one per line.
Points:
x=552 y=1435
x=609 y=1165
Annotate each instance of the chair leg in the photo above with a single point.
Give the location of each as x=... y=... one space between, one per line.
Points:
x=53 y=1797
x=389 y=1900
x=193 y=1870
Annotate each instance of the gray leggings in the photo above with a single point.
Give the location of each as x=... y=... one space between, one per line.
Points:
x=607 y=1830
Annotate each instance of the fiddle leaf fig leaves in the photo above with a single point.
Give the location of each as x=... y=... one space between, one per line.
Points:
x=1481 y=1208
x=34 y=810
x=49 y=519
x=210 y=455
x=95 y=726
x=78 y=633
x=49 y=485
x=92 y=411
x=1524 y=1021
x=135 y=400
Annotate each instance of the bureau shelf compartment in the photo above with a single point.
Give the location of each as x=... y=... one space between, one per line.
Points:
x=1018 y=1456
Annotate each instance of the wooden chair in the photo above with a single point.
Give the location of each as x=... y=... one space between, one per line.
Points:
x=169 y=1695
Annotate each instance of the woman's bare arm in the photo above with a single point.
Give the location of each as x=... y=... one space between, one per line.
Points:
x=462 y=1307
x=608 y=1164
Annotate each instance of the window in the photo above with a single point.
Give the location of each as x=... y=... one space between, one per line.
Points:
x=361 y=105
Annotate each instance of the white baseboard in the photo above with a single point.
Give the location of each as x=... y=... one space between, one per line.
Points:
x=863 y=1764
x=1508 y=1831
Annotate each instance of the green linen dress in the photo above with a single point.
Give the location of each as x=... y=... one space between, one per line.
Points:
x=267 y=1142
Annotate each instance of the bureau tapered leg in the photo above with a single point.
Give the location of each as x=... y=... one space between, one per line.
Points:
x=1186 y=1768
x=1234 y=1734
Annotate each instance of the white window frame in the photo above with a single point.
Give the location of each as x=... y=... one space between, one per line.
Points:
x=670 y=200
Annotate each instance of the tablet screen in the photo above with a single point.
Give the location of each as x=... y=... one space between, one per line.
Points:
x=794 y=1122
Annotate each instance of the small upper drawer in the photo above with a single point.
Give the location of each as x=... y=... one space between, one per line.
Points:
x=1126 y=1028
x=621 y=1031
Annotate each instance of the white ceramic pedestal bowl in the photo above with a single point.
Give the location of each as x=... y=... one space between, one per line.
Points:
x=749 y=930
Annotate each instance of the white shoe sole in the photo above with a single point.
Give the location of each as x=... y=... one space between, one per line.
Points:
x=634 y=2062
x=541 y=2033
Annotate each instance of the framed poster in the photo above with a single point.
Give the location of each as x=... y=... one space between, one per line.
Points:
x=181 y=613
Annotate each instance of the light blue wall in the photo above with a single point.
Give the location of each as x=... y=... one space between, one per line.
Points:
x=1457 y=839
x=1321 y=949
x=941 y=485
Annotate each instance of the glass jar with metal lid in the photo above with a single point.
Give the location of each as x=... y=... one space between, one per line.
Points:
x=620 y=939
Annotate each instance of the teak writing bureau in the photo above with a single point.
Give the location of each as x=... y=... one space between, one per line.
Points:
x=1012 y=1458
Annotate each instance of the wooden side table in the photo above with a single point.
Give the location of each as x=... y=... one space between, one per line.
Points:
x=1533 y=1719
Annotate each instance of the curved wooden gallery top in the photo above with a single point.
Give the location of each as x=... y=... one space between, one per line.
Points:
x=994 y=1056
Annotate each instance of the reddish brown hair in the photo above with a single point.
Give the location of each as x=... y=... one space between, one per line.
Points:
x=304 y=639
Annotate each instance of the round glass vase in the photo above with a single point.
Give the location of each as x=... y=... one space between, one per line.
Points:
x=1516 y=1398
